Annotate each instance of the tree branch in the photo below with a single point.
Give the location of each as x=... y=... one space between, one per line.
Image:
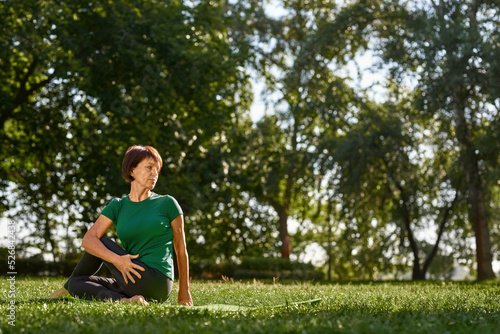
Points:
x=473 y=13
x=438 y=8
x=8 y=109
x=23 y=93
x=435 y=5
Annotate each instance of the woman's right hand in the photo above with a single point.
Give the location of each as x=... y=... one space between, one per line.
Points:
x=127 y=267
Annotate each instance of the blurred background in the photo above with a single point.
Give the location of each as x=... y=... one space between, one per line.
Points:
x=338 y=140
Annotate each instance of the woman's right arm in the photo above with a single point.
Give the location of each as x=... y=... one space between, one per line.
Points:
x=92 y=244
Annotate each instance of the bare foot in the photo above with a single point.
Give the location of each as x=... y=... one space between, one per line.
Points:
x=137 y=299
x=62 y=292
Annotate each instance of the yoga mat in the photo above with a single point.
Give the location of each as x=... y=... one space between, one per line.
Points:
x=236 y=308
x=208 y=307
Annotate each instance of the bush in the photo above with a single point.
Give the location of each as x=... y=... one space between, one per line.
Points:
x=36 y=265
x=264 y=268
x=259 y=268
x=206 y=269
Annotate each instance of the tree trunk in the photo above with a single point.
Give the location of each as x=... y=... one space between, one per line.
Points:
x=417 y=273
x=478 y=213
x=286 y=247
x=329 y=245
x=329 y=250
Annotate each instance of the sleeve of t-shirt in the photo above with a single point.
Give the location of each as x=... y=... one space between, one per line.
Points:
x=112 y=210
x=173 y=208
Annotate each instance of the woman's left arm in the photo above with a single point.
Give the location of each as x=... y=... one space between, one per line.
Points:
x=184 y=296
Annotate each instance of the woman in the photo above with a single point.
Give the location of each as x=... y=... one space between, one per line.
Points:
x=148 y=225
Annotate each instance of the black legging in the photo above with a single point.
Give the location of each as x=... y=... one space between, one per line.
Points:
x=82 y=283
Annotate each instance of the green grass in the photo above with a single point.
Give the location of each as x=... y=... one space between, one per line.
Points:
x=399 y=307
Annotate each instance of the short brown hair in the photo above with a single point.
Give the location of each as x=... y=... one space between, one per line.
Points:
x=135 y=154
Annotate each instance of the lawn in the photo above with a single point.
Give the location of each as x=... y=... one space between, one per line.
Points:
x=391 y=307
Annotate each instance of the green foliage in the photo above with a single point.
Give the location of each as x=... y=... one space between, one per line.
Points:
x=350 y=308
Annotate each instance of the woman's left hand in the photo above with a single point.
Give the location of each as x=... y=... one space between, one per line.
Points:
x=184 y=298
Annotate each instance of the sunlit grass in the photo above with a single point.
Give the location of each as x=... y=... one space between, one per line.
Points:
x=425 y=307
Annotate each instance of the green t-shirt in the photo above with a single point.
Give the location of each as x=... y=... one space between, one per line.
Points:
x=144 y=229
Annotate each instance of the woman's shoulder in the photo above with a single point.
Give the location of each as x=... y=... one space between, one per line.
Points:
x=112 y=209
x=167 y=198
x=118 y=201
x=170 y=204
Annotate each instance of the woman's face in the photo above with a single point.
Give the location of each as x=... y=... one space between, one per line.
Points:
x=146 y=173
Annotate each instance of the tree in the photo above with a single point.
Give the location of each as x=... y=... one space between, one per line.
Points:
x=226 y=222
x=309 y=99
x=445 y=51
x=82 y=81
x=390 y=182
x=449 y=46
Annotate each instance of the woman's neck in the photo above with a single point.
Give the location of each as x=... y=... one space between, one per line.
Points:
x=138 y=195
